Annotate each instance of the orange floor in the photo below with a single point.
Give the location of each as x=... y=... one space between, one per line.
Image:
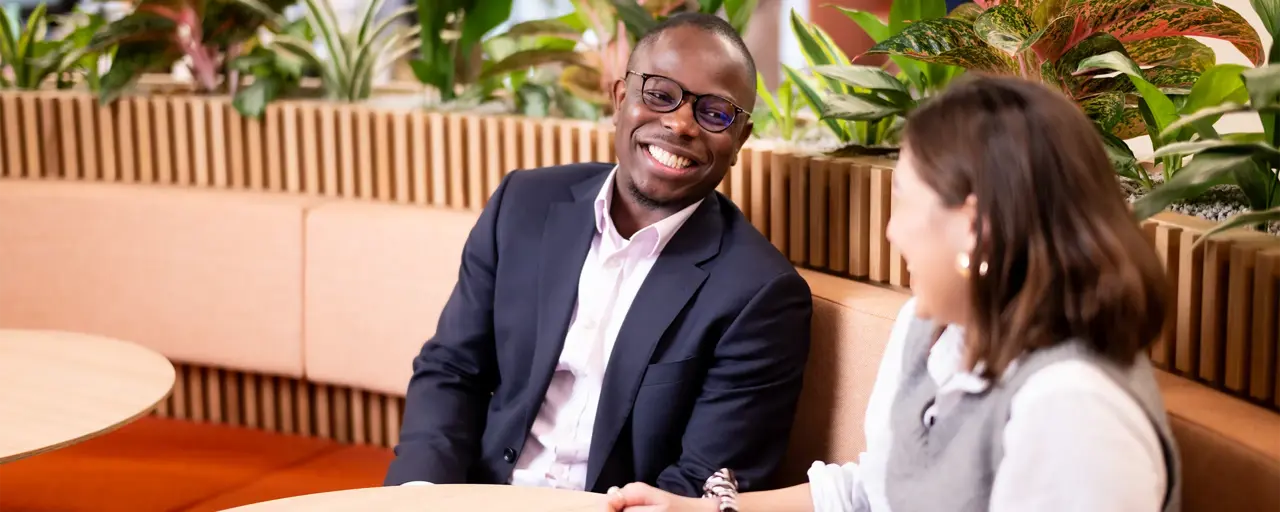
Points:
x=159 y=464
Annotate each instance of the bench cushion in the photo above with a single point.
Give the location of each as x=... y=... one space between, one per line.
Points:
x=203 y=276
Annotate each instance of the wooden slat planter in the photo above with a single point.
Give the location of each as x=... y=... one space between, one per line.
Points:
x=822 y=213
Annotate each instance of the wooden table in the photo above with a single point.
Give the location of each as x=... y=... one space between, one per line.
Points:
x=417 y=498
x=59 y=388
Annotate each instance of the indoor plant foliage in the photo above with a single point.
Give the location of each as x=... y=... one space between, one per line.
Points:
x=1047 y=39
x=159 y=33
x=31 y=57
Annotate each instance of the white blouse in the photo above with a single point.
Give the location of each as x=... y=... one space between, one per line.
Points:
x=1075 y=440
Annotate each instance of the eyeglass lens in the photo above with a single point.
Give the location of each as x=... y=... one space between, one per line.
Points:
x=664 y=95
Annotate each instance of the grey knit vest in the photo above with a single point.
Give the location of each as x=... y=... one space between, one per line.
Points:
x=952 y=464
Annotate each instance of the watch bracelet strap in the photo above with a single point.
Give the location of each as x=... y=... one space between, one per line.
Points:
x=722 y=486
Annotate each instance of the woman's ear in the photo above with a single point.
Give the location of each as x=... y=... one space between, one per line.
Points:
x=968 y=222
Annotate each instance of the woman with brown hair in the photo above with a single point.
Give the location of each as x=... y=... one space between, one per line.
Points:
x=1016 y=377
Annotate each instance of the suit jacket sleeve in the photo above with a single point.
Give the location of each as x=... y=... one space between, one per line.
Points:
x=456 y=371
x=742 y=420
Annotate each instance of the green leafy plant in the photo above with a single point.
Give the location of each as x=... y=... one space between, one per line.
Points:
x=451 y=29
x=31 y=57
x=158 y=33
x=1047 y=40
x=781 y=111
x=354 y=57
x=274 y=73
x=80 y=27
x=860 y=105
x=925 y=78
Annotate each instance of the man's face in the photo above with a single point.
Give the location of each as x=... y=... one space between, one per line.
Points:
x=672 y=159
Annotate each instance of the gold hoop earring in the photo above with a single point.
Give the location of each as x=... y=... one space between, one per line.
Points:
x=962 y=265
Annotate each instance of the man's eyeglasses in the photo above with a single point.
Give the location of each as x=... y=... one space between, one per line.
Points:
x=662 y=94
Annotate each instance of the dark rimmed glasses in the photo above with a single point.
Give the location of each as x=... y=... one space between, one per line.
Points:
x=662 y=94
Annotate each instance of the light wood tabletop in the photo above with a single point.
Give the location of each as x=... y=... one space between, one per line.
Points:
x=417 y=498
x=59 y=388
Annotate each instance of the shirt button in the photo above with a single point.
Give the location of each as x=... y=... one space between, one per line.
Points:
x=509 y=455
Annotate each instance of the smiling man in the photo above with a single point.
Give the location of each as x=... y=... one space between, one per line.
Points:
x=623 y=323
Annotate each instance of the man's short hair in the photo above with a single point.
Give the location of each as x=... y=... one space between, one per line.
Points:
x=706 y=22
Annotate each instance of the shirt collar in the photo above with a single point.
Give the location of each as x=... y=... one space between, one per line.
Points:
x=655 y=235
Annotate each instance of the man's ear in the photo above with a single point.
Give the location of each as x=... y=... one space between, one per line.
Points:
x=618 y=95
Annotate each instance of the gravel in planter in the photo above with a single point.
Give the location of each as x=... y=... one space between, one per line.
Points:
x=1216 y=204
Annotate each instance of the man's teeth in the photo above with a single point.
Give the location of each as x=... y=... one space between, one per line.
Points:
x=668 y=159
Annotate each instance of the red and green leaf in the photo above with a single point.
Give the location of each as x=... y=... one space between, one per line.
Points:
x=1106 y=109
x=967 y=11
x=1168 y=80
x=945 y=41
x=1135 y=20
x=1131 y=124
x=1172 y=51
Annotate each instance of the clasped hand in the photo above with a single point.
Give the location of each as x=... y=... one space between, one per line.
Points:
x=639 y=497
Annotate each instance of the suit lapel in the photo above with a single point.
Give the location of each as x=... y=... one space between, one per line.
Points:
x=672 y=281
x=566 y=237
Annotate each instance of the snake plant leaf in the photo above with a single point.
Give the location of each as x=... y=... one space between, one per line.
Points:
x=946 y=41
x=816 y=101
x=1241 y=220
x=903 y=13
x=1005 y=27
x=739 y=13
x=1208 y=169
x=1261 y=150
x=481 y=18
x=584 y=82
x=877 y=30
x=554 y=27
x=865 y=77
x=1133 y=20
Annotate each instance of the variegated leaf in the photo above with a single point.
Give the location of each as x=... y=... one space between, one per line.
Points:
x=1105 y=109
x=1161 y=107
x=1167 y=80
x=967 y=11
x=1172 y=51
x=946 y=41
x=1135 y=20
x=1005 y=27
x=1066 y=67
x=858 y=107
x=1131 y=124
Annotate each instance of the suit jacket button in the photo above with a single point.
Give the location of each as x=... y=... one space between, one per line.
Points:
x=509 y=455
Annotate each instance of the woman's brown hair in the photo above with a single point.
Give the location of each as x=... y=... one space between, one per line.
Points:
x=1066 y=259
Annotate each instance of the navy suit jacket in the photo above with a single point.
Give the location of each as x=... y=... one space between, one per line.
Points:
x=705 y=373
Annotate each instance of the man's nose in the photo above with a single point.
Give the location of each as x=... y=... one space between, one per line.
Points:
x=681 y=120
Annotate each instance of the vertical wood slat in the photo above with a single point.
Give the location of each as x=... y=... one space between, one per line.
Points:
x=363 y=170
x=234 y=402
x=529 y=144
x=312 y=159
x=1167 y=240
x=475 y=166
x=604 y=144
x=565 y=140
x=382 y=159
x=778 y=173
x=182 y=136
x=133 y=151
x=879 y=253
x=859 y=220
x=760 y=161
x=510 y=146
x=304 y=413
x=178 y=397
x=290 y=147
x=838 y=216
x=49 y=139
x=31 y=130
x=584 y=134
x=400 y=160
x=819 y=211
x=377 y=429
x=269 y=407
x=358 y=430
x=197 y=110
x=195 y=393
x=252 y=400
x=547 y=140
x=237 y=148
x=287 y=389
x=391 y=411
x=1217 y=255
x=219 y=159
x=457 y=162
x=421 y=166
x=1239 y=317
x=213 y=392
x=68 y=137
x=1266 y=326
x=341 y=415
x=330 y=166
x=1189 y=298
x=740 y=185
x=11 y=135
x=255 y=151
x=494 y=157
x=324 y=412
x=93 y=139
x=109 y=129
x=347 y=165
x=798 y=211
x=272 y=129
x=439 y=169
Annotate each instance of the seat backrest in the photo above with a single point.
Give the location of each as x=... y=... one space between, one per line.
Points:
x=210 y=277
x=377 y=277
x=851 y=324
